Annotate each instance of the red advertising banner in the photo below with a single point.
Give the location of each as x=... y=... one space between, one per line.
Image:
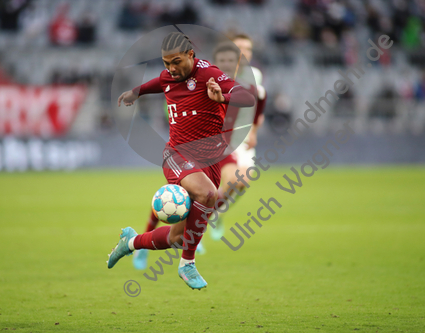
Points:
x=45 y=111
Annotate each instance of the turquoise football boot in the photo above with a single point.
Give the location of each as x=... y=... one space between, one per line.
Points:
x=140 y=259
x=190 y=275
x=122 y=248
x=218 y=231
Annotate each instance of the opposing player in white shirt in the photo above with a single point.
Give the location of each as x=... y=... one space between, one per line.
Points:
x=241 y=158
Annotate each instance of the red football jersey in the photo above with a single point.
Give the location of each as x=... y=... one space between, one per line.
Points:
x=196 y=121
x=232 y=115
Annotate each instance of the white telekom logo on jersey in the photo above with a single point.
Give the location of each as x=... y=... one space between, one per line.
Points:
x=172 y=110
x=172 y=113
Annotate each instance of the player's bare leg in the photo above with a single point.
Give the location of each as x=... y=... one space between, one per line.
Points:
x=176 y=233
x=228 y=174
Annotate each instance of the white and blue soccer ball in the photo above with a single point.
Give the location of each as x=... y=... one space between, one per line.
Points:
x=171 y=204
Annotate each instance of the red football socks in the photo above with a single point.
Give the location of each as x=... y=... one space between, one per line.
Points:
x=157 y=239
x=153 y=240
x=152 y=223
x=194 y=229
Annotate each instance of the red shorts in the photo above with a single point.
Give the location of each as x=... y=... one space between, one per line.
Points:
x=176 y=167
x=229 y=159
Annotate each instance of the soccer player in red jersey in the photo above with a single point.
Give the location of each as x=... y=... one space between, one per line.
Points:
x=197 y=95
x=226 y=57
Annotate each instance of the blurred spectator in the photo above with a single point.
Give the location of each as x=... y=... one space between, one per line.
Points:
x=350 y=17
x=10 y=11
x=170 y=14
x=350 y=47
x=386 y=27
x=345 y=106
x=136 y=15
x=279 y=114
x=327 y=19
x=405 y=87
x=87 y=29
x=372 y=19
x=384 y=105
x=385 y=58
x=188 y=14
x=419 y=8
x=34 y=21
x=306 y=6
x=280 y=33
x=400 y=17
x=300 y=28
x=317 y=22
x=174 y=14
x=419 y=88
x=62 y=29
x=411 y=36
x=329 y=38
x=130 y=17
x=335 y=14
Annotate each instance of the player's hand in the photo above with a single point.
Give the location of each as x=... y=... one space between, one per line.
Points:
x=128 y=98
x=251 y=140
x=260 y=120
x=214 y=91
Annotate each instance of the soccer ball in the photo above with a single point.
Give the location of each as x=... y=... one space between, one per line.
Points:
x=171 y=204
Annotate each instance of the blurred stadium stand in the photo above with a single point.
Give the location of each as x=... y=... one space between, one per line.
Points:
x=300 y=45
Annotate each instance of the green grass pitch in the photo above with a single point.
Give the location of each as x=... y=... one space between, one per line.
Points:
x=345 y=253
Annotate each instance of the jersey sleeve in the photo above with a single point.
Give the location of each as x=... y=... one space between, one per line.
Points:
x=259 y=109
x=258 y=76
x=226 y=84
x=151 y=87
x=233 y=93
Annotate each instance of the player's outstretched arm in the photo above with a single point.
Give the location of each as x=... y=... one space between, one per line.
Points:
x=251 y=140
x=128 y=98
x=151 y=87
x=258 y=118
